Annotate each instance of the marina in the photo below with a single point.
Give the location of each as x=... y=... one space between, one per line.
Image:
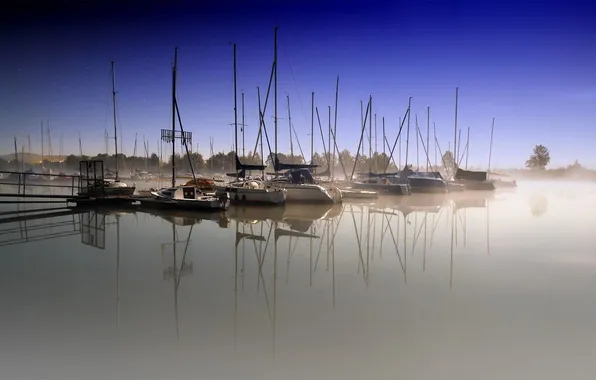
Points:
x=294 y=190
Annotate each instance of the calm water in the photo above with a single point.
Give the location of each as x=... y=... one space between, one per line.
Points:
x=467 y=286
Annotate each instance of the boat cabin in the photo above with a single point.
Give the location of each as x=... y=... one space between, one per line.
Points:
x=189 y=192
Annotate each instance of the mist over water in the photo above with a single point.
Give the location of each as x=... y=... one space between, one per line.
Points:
x=478 y=285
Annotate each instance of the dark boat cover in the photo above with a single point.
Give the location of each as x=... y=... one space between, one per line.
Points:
x=470 y=175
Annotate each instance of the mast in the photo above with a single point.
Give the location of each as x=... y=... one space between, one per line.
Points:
x=29 y=142
x=42 y=143
x=51 y=152
x=427 y=134
x=399 y=148
x=384 y=155
x=331 y=163
x=335 y=128
x=312 y=125
x=290 y=127
x=467 y=148
x=61 y=149
x=435 y=133
x=16 y=155
x=260 y=136
x=408 y=134
x=370 y=135
x=376 y=146
x=490 y=150
x=275 y=93
x=455 y=134
x=417 y=143
x=243 y=127
x=457 y=159
x=115 y=127
x=235 y=111
x=174 y=67
x=105 y=137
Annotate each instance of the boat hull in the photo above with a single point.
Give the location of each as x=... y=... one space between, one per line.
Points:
x=427 y=185
x=309 y=193
x=487 y=185
x=389 y=188
x=358 y=194
x=242 y=195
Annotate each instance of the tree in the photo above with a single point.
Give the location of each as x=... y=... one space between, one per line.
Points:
x=539 y=159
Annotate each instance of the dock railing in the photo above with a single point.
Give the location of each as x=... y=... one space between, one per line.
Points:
x=30 y=180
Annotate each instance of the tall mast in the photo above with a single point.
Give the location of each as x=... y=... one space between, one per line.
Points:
x=399 y=149
x=260 y=137
x=174 y=68
x=435 y=134
x=408 y=135
x=16 y=155
x=383 y=142
x=329 y=159
x=235 y=107
x=417 y=143
x=312 y=125
x=243 y=127
x=335 y=126
x=376 y=146
x=467 y=148
x=275 y=92
x=61 y=149
x=457 y=159
x=370 y=134
x=115 y=127
x=29 y=142
x=490 y=150
x=42 y=143
x=290 y=126
x=455 y=134
x=427 y=134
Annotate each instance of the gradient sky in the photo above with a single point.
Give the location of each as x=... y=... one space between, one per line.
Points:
x=531 y=65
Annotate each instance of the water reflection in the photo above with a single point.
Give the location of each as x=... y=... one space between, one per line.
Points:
x=344 y=291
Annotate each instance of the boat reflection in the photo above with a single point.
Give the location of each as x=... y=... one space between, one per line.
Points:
x=378 y=241
x=188 y=218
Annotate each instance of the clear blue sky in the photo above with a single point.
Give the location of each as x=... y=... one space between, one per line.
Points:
x=531 y=65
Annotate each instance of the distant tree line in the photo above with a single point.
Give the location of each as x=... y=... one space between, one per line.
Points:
x=219 y=163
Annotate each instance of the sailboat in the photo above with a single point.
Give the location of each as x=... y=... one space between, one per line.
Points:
x=298 y=181
x=386 y=183
x=244 y=190
x=104 y=186
x=186 y=197
x=422 y=182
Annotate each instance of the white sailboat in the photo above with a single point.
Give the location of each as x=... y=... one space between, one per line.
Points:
x=110 y=187
x=300 y=185
x=244 y=190
x=298 y=181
